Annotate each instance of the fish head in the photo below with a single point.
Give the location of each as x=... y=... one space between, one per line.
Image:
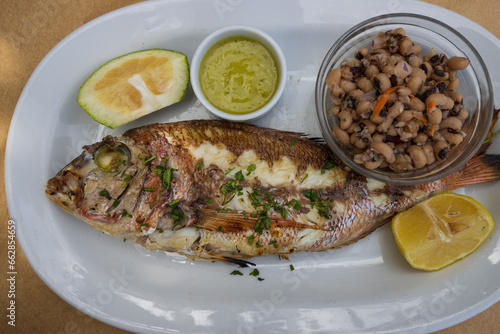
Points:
x=94 y=184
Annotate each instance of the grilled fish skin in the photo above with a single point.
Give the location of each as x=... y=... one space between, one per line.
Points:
x=217 y=190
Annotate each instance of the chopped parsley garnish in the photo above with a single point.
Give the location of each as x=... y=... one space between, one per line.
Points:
x=160 y=231
x=220 y=229
x=126 y=214
x=250 y=239
x=258 y=245
x=176 y=212
x=145 y=225
x=239 y=176
x=263 y=222
x=255 y=272
x=126 y=180
x=260 y=278
x=322 y=206
x=230 y=170
x=294 y=203
x=293 y=142
x=210 y=200
x=166 y=174
x=251 y=168
x=236 y=272
x=329 y=165
x=230 y=189
x=311 y=195
x=200 y=163
x=150 y=159
x=115 y=203
x=292 y=268
x=273 y=243
x=148 y=189
x=105 y=193
x=305 y=177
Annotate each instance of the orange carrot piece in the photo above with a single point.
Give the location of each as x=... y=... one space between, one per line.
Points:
x=420 y=118
x=382 y=100
x=431 y=130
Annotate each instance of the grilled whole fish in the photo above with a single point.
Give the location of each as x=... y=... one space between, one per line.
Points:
x=217 y=190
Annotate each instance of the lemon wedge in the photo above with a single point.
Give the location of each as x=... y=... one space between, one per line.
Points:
x=441 y=230
x=134 y=85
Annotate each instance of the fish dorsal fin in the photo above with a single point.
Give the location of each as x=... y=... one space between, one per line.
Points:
x=236 y=222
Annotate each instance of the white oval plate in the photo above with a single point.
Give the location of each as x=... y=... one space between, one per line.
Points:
x=366 y=287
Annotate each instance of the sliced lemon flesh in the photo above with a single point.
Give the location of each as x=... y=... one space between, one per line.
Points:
x=441 y=230
x=134 y=85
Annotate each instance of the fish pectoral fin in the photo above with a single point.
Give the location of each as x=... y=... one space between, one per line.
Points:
x=213 y=220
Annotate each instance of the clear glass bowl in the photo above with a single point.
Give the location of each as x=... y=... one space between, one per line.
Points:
x=475 y=86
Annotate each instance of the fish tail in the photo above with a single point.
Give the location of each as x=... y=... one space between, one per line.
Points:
x=482 y=167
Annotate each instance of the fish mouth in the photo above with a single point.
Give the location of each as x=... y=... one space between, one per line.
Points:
x=65 y=189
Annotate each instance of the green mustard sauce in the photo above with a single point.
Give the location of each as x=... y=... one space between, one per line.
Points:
x=238 y=75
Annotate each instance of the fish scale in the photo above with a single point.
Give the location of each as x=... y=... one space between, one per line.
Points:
x=297 y=197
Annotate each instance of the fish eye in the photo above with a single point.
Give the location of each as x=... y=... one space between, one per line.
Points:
x=112 y=159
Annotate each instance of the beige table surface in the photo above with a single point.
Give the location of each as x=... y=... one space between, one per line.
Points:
x=28 y=31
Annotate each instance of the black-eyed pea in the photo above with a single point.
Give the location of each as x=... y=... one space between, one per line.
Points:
x=338 y=92
x=347 y=86
x=405 y=46
x=333 y=78
x=373 y=164
x=395 y=109
x=414 y=60
x=335 y=111
x=417 y=104
x=392 y=131
x=363 y=108
x=439 y=74
x=341 y=135
x=382 y=82
x=414 y=84
x=378 y=138
x=453 y=123
x=353 y=128
x=399 y=33
x=359 y=158
x=345 y=119
x=403 y=91
x=463 y=114
x=437 y=98
x=434 y=115
x=365 y=84
x=362 y=53
x=405 y=136
x=405 y=116
x=368 y=126
x=359 y=141
x=420 y=138
x=452 y=137
x=453 y=84
x=371 y=71
x=426 y=67
x=412 y=126
x=441 y=150
x=384 y=126
x=385 y=150
x=457 y=97
x=417 y=155
x=357 y=94
x=429 y=153
x=449 y=103
x=418 y=72
x=388 y=69
x=380 y=118
x=457 y=63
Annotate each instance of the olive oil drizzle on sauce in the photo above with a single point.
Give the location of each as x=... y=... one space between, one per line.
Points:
x=238 y=75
